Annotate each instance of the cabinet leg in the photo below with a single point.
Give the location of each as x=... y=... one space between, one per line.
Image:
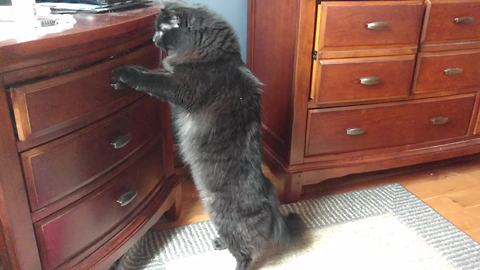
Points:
x=293 y=188
x=174 y=212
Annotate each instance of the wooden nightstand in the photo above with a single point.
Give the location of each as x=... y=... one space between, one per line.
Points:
x=86 y=170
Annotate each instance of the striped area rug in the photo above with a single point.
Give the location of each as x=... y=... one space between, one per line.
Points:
x=380 y=228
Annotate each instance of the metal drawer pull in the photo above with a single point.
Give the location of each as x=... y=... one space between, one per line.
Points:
x=439 y=120
x=464 y=20
x=453 y=71
x=372 y=80
x=121 y=141
x=127 y=198
x=355 y=131
x=377 y=25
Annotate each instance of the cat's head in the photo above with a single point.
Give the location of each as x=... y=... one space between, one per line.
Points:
x=195 y=32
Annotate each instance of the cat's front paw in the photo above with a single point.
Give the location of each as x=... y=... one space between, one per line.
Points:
x=124 y=77
x=118 y=85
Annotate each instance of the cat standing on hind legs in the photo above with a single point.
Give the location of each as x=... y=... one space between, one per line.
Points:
x=216 y=105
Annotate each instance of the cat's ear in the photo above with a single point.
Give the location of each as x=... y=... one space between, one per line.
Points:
x=178 y=16
x=170 y=5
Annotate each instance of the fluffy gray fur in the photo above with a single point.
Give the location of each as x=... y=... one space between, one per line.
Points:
x=215 y=102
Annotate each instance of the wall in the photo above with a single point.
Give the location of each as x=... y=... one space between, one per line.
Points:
x=235 y=12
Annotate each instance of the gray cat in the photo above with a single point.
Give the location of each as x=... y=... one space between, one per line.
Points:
x=215 y=102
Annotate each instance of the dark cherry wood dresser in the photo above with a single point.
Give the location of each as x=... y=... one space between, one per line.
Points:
x=359 y=86
x=85 y=170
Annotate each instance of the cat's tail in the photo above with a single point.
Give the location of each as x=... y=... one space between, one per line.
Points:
x=296 y=227
x=290 y=229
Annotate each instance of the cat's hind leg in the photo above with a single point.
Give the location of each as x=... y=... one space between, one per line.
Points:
x=243 y=263
x=242 y=254
x=219 y=244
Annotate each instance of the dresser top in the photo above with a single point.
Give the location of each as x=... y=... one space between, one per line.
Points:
x=87 y=29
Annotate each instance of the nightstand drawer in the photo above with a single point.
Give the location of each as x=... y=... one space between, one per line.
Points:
x=361 y=79
x=369 y=23
x=452 y=21
x=58 y=168
x=356 y=128
x=99 y=214
x=445 y=71
x=50 y=108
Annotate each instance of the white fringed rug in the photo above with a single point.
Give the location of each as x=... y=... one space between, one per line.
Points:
x=381 y=228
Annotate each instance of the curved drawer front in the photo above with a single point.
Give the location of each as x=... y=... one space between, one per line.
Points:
x=360 y=79
x=370 y=23
x=58 y=168
x=357 y=128
x=68 y=233
x=52 y=107
x=4 y=263
x=442 y=71
x=450 y=21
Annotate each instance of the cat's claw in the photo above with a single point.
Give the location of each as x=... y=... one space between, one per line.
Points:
x=124 y=76
x=118 y=86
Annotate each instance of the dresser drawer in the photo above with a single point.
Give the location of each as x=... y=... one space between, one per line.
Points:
x=450 y=21
x=447 y=71
x=66 y=234
x=50 y=108
x=4 y=262
x=369 y=23
x=58 y=168
x=360 y=79
x=357 y=128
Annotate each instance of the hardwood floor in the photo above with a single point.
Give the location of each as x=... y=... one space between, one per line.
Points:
x=451 y=187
